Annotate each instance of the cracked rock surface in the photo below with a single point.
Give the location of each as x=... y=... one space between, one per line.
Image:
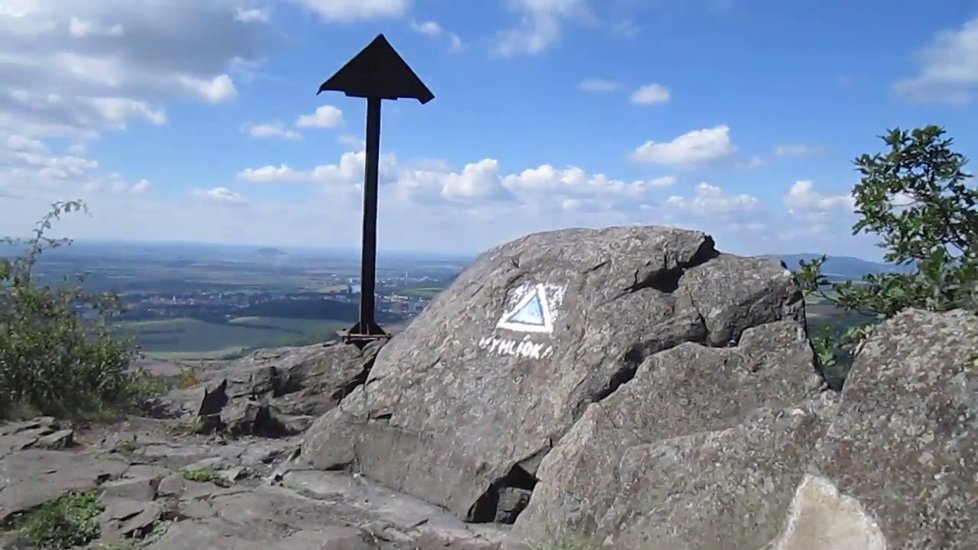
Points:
x=460 y=409
x=689 y=389
x=163 y=485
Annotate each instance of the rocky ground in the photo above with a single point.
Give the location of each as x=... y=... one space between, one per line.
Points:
x=165 y=486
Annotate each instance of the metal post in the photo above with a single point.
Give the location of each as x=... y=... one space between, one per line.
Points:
x=368 y=265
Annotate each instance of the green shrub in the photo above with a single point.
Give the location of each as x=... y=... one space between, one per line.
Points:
x=205 y=475
x=68 y=521
x=924 y=207
x=57 y=354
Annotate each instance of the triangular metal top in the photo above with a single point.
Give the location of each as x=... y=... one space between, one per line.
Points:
x=378 y=71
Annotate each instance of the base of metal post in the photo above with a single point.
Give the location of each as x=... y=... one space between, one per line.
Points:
x=365 y=334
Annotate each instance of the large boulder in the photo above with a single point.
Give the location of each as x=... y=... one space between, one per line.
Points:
x=699 y=435
x=461 y=407
x=898 y=467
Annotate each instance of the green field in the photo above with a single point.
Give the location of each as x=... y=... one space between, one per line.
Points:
x=188 y=339
x=421 y=292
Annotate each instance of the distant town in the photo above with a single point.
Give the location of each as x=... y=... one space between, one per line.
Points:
x=189 y=302
x=149 y=305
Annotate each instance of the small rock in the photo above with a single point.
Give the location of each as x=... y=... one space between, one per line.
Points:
x=128 y=518
x=512 y=501
x=171 y=486
x=58 y=440
x=136 y=489
x=231 y=475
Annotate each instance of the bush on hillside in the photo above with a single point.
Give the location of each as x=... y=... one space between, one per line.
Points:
x=57 y=355
x=918 y=199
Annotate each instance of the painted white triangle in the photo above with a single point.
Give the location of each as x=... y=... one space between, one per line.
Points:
x=530 y=314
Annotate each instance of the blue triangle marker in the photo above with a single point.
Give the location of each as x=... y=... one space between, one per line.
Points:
x=529 y=314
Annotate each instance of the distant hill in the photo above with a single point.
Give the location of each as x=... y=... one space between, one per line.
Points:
x=269 y=252
x=841 y=267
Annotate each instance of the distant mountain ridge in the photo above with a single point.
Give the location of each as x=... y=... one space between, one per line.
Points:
x=841 y=267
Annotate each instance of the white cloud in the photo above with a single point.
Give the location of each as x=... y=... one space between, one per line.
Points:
x=117 y=110
x=30 y=170
x=477 y=180
x=251 y=15
x=803 y=199
x=432 y=28
x=477 y=185
x=798 y=150
x=695 y=147
x=218 y=89
x=540 y=25
x=349 y=170
x=24 y=144
x=220 y=195
x=598 y=85
x=711 y=200
x=325 y=116
x=61 y=60
x=270 y=173
x=426 y=204
x=650 y=94
x=356 y=10
x=574 y=180
x=141 y=186
x=272 y=129
x=81 y=28
x=948 y=68
x=351 y=141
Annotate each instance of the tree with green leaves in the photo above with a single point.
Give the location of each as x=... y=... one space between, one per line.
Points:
x=918 y=199
x=58 y=354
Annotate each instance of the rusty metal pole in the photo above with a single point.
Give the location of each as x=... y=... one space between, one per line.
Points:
x=376 y=73
x=368 y=259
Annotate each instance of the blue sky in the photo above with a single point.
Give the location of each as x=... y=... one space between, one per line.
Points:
x=198 y=121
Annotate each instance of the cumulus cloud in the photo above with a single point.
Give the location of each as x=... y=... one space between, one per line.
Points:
x=351 y=141
x=77 y=69
x=141 y=186
x=803 y=199
x=29 y=169
x=81 y=28
x=251 y=15
x=349 y=170
x=695 y=147
x=118 y=110
x=325 y=116
x=650 y=94
x=948 y=67
x=540 y=25
x=433 y=29
x=346 y=11
x=220 y=195
x=711 y=200
x=477 y=184
x=272 y=129
x=425 y=204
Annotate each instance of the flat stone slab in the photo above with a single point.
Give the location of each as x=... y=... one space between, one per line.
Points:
x=32 y=477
